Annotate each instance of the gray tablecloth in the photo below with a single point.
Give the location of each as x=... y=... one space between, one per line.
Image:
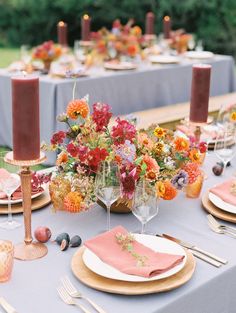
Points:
x=148 y=87
x=211 y=290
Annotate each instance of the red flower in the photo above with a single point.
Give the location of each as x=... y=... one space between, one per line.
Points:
x=72 y=149
x=95 y=157
x=128 y=184
x=82 y=152
x=101 y=115
x=202 y=147
x=58 y=137
x=123 y=131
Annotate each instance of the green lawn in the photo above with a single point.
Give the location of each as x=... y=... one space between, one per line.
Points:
x=8 y=55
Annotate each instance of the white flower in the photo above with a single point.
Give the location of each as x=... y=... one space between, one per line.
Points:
x=169 y=163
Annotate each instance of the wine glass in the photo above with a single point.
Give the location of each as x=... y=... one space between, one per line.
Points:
x=9 y=183
x=25 y=54
x=225 y=145
x=191 y=43
x=145 y=203
x=79 y=51
x=107 y=185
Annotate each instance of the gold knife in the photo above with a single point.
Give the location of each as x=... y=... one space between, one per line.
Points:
x=6 y=306
x=195 y=248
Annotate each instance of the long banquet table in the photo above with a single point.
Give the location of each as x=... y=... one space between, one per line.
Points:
x=211 y=290
x=150 y=86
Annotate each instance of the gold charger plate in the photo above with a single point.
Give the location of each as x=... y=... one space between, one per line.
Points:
x=215 y=211
x=37 y=203
x=98 y=282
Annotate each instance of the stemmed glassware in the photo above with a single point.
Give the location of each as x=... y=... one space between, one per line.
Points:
x=79 y=51
x=107 y=185
x=8 y=185
x=145 y=203
x=225 y=145
x=25 y=54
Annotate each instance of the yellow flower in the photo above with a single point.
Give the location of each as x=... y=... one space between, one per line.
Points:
x=233 y=116
x=195 y=156
x=158 y=148
x=160 y=189
x=75 y=128
x=159 y=132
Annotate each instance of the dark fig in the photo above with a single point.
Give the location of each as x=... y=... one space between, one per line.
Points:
x=61 y=237
x=75 y=241
x=64 y=245
x=217 y=170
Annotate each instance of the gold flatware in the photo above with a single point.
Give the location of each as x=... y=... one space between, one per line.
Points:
x=219 y=230
x=69 y=300
x=6 y=306
x=73 y=292
x=200 y=256
x=195 y=248
x=214 y=222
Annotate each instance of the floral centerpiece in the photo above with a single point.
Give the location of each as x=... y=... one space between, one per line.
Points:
x=167 y=161
x=122 y=40
x=179 y=40
x=47 y=52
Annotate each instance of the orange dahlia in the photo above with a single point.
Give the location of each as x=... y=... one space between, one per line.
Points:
x=151 y=163
x=170 y=191
x=73 y=201
x=62 y=158
x=181 y=144
x=193 y=171
x=233 y=116
x=76 y=108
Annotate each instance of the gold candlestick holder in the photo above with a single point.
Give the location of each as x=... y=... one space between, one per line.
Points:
x=198 y=127
x=28 y=250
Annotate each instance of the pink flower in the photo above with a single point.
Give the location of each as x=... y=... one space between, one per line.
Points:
x=123 y=131
x=128 y=182
x=101 y=115
x=151 y=163
x=144 y=140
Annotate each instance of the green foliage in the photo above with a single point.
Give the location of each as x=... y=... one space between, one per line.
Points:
x=32 y=22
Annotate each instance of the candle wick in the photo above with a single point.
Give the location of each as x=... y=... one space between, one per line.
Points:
x=24 y=73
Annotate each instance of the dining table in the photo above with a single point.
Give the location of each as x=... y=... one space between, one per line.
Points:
x=149 y=86
x=32 y=287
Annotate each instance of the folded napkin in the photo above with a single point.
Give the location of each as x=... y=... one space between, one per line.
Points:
x=224 y=191
x=107 y=248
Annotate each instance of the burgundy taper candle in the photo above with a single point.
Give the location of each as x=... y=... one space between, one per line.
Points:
x=62 y=33
x=166 y=27
x=201 y=76
x=25 y=118
x=85 y=27
x=149 y=25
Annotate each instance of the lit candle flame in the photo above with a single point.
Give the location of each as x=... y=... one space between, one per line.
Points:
x=166 y=18
x=24 y=73
x=61 y=23
x=86 y=17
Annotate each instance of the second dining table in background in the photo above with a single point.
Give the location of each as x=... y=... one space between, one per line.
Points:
x=149 y=86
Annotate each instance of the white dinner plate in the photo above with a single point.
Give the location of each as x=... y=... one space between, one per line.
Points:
x=221 y=204
x=199 y=54
x=5 y=202
x=97 y=266
x=120 y=66
x=164 y=59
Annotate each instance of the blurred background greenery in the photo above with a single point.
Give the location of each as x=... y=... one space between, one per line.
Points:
x=32 y=22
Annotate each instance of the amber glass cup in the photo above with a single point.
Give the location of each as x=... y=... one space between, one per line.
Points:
x=193 y=190
x=6 y=260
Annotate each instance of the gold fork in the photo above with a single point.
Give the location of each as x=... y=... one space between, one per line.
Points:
x=73 y=292
x=69 y=300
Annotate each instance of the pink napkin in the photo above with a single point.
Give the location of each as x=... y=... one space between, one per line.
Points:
x=106 y=247
x=223 y=191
